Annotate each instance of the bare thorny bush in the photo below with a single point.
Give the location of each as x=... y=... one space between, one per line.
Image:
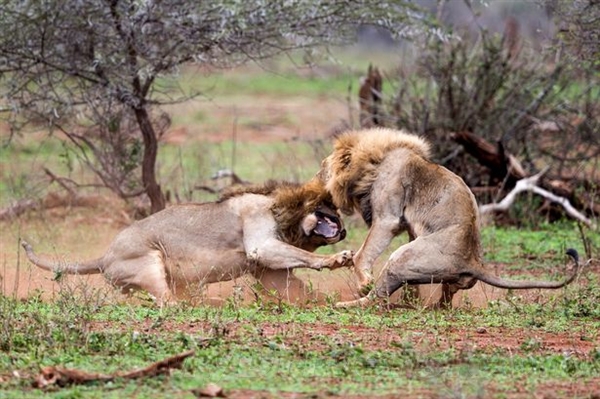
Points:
x=108 y=143
x=543 y=113
x=61 y=57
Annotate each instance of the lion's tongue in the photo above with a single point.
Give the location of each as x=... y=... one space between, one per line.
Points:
x=326 y=228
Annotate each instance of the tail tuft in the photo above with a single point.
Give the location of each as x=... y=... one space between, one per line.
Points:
x=573 y=254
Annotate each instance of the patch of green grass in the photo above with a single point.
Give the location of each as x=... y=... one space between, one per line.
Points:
x=546 y=245
x=284 y=84
x=280 y=81
x=329 y=74
x=36 y=334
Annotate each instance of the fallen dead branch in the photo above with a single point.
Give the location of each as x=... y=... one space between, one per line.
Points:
x=494 y=157
x=55 y=375
x=530 y=184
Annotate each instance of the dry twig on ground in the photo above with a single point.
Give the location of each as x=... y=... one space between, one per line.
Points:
x=55 y=375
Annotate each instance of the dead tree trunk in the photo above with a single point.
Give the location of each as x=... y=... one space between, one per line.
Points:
x=369 y=97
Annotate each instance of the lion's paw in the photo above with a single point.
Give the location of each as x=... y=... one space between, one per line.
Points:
x=343 y=259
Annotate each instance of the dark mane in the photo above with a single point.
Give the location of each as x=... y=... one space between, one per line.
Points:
x=291 y=203
x=268 y=188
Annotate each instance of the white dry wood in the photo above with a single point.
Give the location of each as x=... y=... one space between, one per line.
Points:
x=530 y=184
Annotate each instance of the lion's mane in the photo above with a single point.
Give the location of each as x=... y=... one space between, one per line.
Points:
x=292 y=202
x=353 y=165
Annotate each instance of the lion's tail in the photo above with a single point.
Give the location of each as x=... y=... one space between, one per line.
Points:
x=90 y=267
x=528 y=284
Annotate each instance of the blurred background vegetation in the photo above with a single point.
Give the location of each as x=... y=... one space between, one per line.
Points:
x=125 y=97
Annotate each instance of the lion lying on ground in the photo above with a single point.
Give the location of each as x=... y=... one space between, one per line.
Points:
x=251 y=229
x=386 y=176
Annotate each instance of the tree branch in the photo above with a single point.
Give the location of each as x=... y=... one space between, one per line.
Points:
x=530 y=184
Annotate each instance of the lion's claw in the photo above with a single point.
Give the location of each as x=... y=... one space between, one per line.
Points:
x=345 y=258
x=342 y=259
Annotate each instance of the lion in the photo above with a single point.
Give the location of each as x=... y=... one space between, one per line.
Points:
x=273 y=227
x=387 y=176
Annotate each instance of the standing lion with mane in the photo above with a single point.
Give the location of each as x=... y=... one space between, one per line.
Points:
x=388 y=177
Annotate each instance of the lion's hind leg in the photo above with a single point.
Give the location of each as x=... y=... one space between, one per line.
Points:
x=416 y=262
x=404 y=267
x=145 y=272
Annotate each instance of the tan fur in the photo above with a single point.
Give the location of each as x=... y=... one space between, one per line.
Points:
x=249 y=230
x=387 y=176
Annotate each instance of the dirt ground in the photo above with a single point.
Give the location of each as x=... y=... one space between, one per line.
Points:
x=75 y=233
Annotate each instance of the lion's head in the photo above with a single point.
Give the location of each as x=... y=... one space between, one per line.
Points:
x=306 y=215
x=322 y=226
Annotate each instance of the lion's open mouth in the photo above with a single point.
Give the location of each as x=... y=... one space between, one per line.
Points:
x=327 y=226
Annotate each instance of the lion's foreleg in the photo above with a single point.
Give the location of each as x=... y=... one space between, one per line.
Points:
x=378 y=239
x=277 y=255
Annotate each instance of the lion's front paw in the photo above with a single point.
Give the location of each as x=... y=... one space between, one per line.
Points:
x=342 y=259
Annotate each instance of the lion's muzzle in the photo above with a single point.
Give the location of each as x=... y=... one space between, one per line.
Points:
x=329 y=226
